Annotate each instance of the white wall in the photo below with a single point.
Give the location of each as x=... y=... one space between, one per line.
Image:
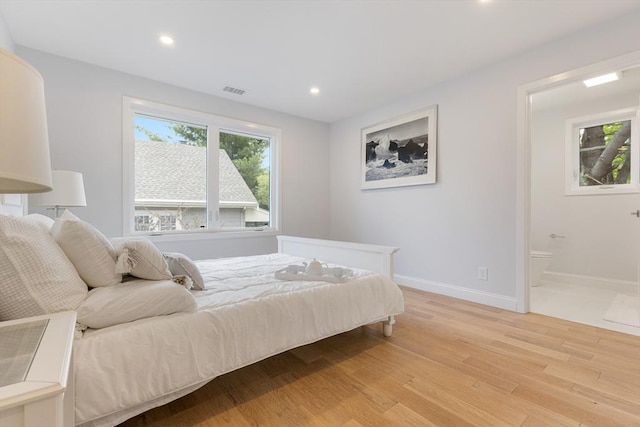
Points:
x=6 y=41
x=84 y=113
x=468 y=218
x=600 y=236
x=445 y=231
x=10 y=204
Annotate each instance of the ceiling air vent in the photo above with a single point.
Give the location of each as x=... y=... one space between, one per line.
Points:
x=233 y=90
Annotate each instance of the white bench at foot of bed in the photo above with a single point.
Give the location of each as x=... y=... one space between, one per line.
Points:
x=375 y=258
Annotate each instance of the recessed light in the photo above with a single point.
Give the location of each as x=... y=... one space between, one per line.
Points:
x=314 y=90
x=606 y=78
x=166 y=40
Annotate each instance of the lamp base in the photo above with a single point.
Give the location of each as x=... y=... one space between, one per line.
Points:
x=57 y=211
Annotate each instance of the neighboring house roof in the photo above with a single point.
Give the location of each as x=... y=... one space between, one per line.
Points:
x=175 y=173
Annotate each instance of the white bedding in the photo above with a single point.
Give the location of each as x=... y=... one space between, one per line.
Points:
x=244 y=315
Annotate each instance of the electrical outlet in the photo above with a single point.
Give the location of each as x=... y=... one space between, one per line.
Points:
x=483 y=273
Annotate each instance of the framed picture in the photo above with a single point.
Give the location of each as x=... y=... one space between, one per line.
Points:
x=400 y=151
x=602 y=153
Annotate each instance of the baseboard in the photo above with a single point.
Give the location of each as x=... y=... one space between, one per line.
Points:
x=473 y=295
x=576 y=279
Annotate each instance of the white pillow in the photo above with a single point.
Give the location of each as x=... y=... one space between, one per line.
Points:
x=140 y=258
x=87 y=248
x=44 y=221
x=133 y=300
x=181 y=265
x=35 y=275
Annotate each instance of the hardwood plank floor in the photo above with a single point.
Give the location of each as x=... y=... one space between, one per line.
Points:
x=448 y=363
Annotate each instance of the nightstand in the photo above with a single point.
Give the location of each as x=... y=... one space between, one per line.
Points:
x=36 y=371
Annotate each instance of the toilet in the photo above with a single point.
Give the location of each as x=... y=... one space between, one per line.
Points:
x=538 y=263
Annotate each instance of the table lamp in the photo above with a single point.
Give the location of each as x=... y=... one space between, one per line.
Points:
x=68 y=191
x=25 y=166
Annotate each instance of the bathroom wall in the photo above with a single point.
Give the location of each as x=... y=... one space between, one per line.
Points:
x=601 y=238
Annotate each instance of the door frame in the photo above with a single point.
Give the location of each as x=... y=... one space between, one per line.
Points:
x=523 y=158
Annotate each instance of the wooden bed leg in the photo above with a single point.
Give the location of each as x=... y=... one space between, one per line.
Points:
x=387 y=326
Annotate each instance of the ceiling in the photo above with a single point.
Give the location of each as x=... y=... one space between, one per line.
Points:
x=575 y=93
x=360 y=54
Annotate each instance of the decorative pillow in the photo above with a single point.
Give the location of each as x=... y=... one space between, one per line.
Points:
x=44 y=221
x=133 y=300
x=181 y=265
x=184 y=281
x=90 y=252
x=140 y=258
x=35 y=275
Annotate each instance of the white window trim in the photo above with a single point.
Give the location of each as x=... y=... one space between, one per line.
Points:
x=132 y=106
x=572 y=153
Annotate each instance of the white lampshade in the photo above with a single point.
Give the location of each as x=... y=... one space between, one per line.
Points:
x=68 y=190
x=25 y=166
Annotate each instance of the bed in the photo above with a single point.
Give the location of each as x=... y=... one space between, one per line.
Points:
x=244 y=315
x=153 y=327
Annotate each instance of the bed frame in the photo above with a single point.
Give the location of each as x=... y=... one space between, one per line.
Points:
x=375 y=258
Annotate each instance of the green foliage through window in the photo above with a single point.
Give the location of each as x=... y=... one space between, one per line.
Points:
x=605 y=154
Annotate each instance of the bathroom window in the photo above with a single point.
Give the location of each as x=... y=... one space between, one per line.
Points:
x=602 y=153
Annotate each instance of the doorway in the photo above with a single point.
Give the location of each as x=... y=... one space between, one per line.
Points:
x=591 y=243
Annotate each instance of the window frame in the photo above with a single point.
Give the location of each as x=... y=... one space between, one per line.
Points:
x=215 y=124
x=572 y=153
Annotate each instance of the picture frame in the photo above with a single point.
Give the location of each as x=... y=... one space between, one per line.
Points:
x=400 y=151
x=602 y=153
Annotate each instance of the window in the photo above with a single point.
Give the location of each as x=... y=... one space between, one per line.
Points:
x=187 y=171
x=143 y=223
x=168 y=222
x=602 y=153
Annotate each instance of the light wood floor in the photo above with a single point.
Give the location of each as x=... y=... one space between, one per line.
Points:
x=448 y=363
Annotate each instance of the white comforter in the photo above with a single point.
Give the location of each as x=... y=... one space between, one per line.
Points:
x=244 y=315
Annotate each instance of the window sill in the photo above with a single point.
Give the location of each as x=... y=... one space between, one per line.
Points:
x=599 y=190
x=208 y=235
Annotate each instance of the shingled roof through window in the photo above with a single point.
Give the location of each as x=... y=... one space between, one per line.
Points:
x=176 y=172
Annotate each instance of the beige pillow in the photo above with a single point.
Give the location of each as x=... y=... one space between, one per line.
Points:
x=90 y=252
x=35 y=275
x=140 y=258
x=181 y=265
x=133 y=300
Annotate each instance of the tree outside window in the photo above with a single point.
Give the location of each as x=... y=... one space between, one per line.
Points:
x=602 y=153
